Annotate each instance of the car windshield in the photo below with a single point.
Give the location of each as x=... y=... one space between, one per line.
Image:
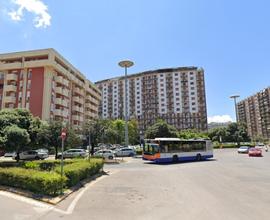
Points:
x=244 y=147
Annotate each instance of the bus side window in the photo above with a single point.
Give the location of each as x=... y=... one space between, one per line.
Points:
x=163 y=148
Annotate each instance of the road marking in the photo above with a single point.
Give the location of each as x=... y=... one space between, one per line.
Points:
x=80 y=194
x=42 y=207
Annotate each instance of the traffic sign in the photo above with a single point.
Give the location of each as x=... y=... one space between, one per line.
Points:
x=64 y=133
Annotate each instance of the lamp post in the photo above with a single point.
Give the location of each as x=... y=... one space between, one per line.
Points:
x=126 y=64
x=234 y=97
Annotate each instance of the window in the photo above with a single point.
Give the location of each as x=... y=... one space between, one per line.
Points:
x=29 y=84
x=29 y=75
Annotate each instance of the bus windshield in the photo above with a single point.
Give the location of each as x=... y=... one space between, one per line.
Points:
x=151 y=149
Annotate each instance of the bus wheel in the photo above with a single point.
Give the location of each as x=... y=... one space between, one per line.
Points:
x=175 y=159
x=198 y=157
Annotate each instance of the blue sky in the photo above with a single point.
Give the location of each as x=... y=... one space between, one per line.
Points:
x=229 y=39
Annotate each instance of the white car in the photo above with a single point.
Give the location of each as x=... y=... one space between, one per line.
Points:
x=31 y=155
x=106 y=154
x=125 y=152
x=243 y=149
x=9 y=154
x=73 y=153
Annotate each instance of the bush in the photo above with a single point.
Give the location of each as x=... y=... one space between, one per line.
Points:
x=47 y=165
x=6 y=164
x=41 y=182
x=80 y=169
x=139 y=151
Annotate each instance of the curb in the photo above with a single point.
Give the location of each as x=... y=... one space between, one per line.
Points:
x=49 y=199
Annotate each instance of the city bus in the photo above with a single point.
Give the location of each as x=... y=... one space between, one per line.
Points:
x=164 y=150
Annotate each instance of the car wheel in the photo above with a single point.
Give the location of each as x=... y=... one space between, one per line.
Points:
x=198 y=157
x=37 y=158
x=110 y=157
x=175 y=159
x=131 y=155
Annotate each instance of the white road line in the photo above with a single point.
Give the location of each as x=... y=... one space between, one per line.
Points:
x=41 y=205
x=47 y=207
x=80 y=194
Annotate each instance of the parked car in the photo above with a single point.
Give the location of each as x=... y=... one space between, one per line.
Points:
x=125 y=152
x=73 y=153
x=255 y=152
x=243 y=149
x=31 y=155
x=9 y=154
x=260 y=146
x=106 y=154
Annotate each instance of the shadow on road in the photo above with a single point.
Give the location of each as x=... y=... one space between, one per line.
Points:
x=180 y=162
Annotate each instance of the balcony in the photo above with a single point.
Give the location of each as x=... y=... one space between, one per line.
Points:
x=78 y=99
x=11 y=88
x=88 y=105
x=77 y=109
x=10 y=99
x=62 y=81
x=62 y=102
x=59 y=90
x=66 y=82
x=58 y=101
x=65 y=92
x=77 y=118
x=14 y=65
x=12 y=76
x=79 y=91
x=58 y=112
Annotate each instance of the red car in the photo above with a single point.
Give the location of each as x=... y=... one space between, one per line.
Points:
x=255 y=152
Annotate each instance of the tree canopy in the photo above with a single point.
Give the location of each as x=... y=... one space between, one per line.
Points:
x=160 y=129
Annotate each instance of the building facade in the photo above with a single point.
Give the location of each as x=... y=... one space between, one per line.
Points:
x=254 y=111
x=176 y=95
x=48 y=85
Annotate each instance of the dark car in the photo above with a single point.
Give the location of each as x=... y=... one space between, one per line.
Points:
x=2 y=152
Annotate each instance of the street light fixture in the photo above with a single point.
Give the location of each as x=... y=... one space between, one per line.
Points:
x=126 y=64
x=235 y=106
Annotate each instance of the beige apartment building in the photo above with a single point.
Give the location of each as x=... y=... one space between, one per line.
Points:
x=176 y=95
x=48 y=85
x=254 y=111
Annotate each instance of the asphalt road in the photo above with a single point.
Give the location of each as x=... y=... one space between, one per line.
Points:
x=229 y=187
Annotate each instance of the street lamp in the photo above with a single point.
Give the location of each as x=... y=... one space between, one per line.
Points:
x=235 y=106
x=126 y=64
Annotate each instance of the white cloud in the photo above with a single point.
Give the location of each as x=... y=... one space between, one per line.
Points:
x=37 y=7
x=220 y=118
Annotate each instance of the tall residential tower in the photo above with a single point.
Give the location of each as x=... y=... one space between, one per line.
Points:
x=176 y=95
x=254 y=111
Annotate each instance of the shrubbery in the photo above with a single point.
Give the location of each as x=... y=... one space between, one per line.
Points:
x=80 y=170
x=41 y=182
x=43 y=177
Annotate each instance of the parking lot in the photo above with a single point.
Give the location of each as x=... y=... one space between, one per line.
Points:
x=231 y=186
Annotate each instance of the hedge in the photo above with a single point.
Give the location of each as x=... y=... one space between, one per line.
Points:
x=41 y=182
x=80 y=170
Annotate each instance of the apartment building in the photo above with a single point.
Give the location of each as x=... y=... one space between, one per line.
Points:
x=254 y=111
x=48 y=85
x=176 y=95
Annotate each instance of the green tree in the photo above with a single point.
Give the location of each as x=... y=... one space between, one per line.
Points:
x=191 y=134
x=160 y=129
x=16 y=139
x=73 y=139
x=235 y=132
x=52 y=134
